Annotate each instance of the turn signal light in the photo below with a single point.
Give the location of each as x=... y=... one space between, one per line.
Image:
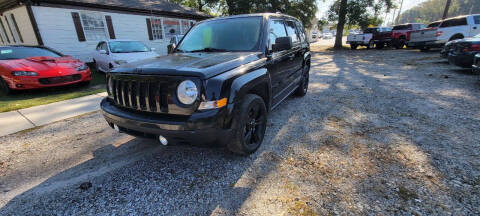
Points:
x=213 y=104
x=439 y=33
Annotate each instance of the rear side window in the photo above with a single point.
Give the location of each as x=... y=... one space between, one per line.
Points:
x=276 y=30
x=477 y=20
x=454 y=22
x=434 y=24
x=292 y=31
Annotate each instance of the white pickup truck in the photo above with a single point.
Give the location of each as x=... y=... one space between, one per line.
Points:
x=440 y=32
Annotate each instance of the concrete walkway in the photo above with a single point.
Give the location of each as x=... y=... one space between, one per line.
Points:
x=14 y=121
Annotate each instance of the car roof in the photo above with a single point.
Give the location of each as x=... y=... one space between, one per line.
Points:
x=266 y=15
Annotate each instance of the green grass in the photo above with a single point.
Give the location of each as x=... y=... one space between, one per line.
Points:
x=29 y=98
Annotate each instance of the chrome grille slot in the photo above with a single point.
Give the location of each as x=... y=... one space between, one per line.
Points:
x=142 y=95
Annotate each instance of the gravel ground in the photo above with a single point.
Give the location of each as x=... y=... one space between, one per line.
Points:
x=390 y=132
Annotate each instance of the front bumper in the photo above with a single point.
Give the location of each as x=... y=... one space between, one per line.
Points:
x=202 y=128
x=32 y=82
x=464 y=60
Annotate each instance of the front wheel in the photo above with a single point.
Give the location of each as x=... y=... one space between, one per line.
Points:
x=371 y=45
x=4 y=88
x=250 y=122
x=353 y=46
x=379 y=45
x=400 y=44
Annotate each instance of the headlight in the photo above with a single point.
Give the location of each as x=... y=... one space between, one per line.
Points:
x=119 y=62
x=24 y=73
x=82 y=68
x=187 y=92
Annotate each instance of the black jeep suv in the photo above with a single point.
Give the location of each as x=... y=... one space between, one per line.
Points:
x=216 y=86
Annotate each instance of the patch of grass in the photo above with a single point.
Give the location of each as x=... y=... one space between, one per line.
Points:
x=29 y=98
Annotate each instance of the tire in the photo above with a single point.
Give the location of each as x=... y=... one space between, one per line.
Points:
x=379 y=46
x=400 y=44
x=4 y=88
x=371 y=44
x=249 y=122
x=353 y=46
x=303 y=86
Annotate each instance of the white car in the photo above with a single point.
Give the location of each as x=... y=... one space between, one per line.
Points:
x=113 y=53
x=327 y=36
x=440 y=32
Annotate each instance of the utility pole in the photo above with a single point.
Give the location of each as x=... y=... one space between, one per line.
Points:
x=447 y=6
x=399 y=12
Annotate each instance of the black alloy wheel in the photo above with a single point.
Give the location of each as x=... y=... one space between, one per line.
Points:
x=250 y=123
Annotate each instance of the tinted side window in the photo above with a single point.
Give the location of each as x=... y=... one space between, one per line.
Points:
x=104 y=47
x=99 y=45
x=477 y=20
x=292 y=31
x=454 y=22
x=276 y=30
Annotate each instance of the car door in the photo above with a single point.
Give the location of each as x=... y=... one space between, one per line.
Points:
x=103 y=58
x=475 y=27
x=295 y=54
x=278 y=62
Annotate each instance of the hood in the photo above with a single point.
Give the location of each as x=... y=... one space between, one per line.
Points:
x=45 y=65
x=134 y=56
x=203 y=65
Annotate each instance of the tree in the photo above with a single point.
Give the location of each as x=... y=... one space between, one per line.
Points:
x=432 y=10
x=322 y=23
x=356 y=12
x=302 y=9
x=200 y=5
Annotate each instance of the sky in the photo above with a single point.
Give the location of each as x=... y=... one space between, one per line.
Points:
x=324 y=5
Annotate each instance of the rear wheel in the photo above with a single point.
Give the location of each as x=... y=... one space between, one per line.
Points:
x=250 y=122
x=4 y=88
x=353 y=46
x=303 y=87
x=400 y=44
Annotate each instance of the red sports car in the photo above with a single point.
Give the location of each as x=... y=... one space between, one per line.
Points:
x=31 y=67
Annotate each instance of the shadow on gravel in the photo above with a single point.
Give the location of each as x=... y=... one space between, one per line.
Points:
x=359 y=142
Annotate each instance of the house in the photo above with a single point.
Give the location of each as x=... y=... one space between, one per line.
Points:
x=74 y=27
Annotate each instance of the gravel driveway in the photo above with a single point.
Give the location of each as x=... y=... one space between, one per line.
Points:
x=390 y=132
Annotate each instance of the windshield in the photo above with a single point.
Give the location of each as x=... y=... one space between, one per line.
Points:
x=7 y=53
x=127 y=47
x=236 y=34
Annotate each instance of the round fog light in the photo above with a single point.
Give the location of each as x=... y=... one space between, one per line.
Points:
x=163 y=140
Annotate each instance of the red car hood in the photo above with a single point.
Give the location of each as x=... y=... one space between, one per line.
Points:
x=45 y=66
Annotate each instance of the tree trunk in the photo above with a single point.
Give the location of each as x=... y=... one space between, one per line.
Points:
x=341 y=24
x=447 y=6
x=399 y=12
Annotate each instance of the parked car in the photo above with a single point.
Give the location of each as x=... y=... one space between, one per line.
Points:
x=113 y=53
x=32 y=67
x=173 y=42
x=218 y=91
x=462 y=52
x=328 y=35
x=447 y=30
x=372 y=37
x=401 y=33
x=476 y=63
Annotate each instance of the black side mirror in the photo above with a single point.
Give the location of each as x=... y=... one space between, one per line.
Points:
x=282 y=43
x=171 y=47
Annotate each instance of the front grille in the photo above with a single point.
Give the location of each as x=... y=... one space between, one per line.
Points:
x=145 y=95
x=60 y=79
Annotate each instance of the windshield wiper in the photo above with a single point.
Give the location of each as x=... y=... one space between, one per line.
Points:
x=209 y=49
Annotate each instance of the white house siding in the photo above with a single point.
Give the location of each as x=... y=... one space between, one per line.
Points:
x=24 y=25
x=58 y=31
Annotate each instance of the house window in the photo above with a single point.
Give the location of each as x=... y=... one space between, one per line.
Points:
x=172 y=28
x=157 y=28
x=186 y=25
x=93 y=26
